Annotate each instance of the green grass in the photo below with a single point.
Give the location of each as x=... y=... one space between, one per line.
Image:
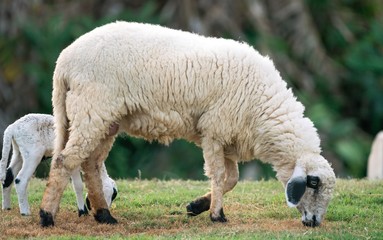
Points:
x=156 y=210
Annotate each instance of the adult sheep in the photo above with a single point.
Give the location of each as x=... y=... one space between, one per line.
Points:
x=162 y=84
x=31 y=138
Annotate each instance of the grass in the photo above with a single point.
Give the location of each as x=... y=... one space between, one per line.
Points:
x=156 y=210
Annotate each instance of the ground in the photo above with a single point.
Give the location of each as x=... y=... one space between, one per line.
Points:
x=156 y=209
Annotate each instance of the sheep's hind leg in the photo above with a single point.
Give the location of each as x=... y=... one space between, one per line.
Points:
x=77 y=150
x=202 y=204
x=58 y=179
x=92 y=179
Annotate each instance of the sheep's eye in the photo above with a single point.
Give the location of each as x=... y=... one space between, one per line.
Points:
x=313 y=182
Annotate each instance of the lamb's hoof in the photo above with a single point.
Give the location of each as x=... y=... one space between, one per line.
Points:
x=46 y=219
x=83 y=212
x=220 y=218
x=7 y=209
x=103 y=216
x=25 y=214
x=198 y=206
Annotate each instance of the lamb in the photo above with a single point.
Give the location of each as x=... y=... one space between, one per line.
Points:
x=163 y=84
x=32 y=139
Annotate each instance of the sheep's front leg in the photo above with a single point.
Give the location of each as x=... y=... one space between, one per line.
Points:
x=215 y=170
x=203 y=203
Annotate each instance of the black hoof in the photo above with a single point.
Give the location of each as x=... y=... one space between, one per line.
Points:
x=83 y=212
x=220 y=218
x=103 y=216
x=46 y=219
x=198 y=206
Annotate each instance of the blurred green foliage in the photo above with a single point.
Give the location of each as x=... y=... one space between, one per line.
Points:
x=346 y=121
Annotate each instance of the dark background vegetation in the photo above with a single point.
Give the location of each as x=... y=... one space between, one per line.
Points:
x=330 y=52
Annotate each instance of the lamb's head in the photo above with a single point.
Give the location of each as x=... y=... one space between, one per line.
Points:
x=310 y=189
x=110 y=191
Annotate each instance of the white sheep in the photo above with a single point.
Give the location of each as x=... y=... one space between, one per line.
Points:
x=32 y=138
x=162 y=84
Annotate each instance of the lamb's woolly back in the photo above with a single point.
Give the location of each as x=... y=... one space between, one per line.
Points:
x=28 y=128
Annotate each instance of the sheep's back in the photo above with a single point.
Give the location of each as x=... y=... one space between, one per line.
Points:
x=215 y=86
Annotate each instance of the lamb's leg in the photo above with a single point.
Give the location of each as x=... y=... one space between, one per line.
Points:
x=78 y=189
x=32 y=158
x=6 y=200
x=202 y=204
x=6 y=193
x=13 y=169
x=81 y=143
x=92 y=178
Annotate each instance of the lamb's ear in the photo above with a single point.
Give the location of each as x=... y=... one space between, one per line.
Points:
x=296 y=187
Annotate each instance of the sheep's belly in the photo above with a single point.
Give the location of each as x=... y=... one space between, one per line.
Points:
x=159 y=126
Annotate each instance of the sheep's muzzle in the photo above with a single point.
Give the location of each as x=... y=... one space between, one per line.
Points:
x=311 y=223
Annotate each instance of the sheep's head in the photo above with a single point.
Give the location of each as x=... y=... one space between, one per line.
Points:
x=310 y=191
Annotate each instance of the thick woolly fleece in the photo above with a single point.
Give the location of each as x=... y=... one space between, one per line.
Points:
x=32 y=138
x=162 y=84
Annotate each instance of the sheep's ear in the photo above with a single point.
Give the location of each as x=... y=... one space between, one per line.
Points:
x=114 y=194
x=296 y=187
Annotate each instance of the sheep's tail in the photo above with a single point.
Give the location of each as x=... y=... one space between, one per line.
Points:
x=59 y=112
x=7 y=142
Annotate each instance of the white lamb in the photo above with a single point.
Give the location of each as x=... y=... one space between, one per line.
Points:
x=32 y=138
x=163 y=84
